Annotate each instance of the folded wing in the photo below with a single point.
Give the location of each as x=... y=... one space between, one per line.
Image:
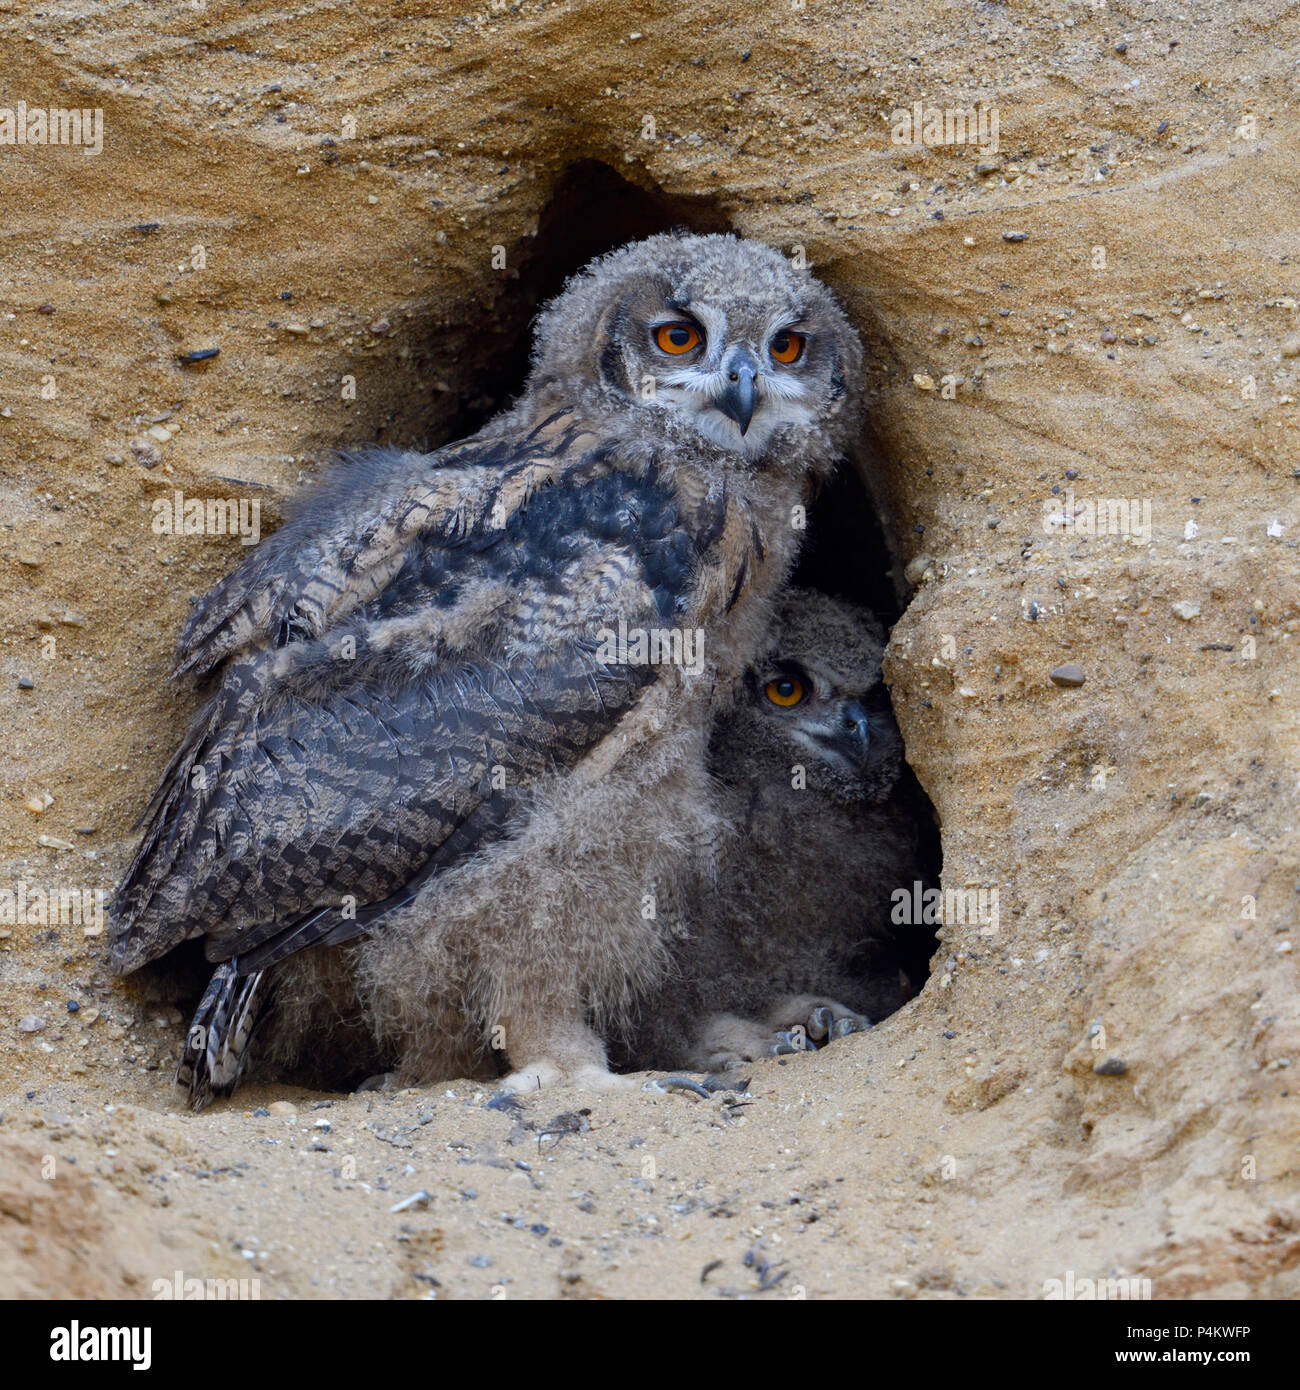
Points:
x=397 y=666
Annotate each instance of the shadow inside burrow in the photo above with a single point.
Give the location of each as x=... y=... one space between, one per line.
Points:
x=593 y=210
x=848 y=555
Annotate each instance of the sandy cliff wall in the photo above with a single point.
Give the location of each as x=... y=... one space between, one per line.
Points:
x=1103 y=309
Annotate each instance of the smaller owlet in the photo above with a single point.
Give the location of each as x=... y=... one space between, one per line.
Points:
x=791 y=942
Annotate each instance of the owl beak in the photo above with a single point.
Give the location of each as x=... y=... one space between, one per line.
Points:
x=737 y=399
x=857 y=729
x=846 y=736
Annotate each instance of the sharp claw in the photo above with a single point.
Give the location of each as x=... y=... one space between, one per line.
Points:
x=789 y=1041
x=842 y=1027
x=821 y=1022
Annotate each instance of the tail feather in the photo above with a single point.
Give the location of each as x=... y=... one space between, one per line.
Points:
x=221 y=1032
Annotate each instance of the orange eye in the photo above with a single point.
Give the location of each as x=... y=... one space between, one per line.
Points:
x=677 y=338
x=787 y=347
x=785 y=691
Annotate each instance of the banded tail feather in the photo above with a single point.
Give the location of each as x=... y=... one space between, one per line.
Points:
x=221 y=1032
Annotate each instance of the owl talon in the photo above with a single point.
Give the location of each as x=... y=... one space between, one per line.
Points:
x=678 y=1083
x=807 y=1023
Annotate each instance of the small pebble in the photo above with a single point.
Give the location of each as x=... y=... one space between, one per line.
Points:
x=188 y=359
x=282 y=1107
x=380 y=326
x=146 y=451
x=73 y=1006
x=1121 y=47
x=1068 y=677
x=26 y=683
x=1108 y=337
x=1112 y=1066
x=917 y=568
x=1187 y=611
x=31 y=1024
x=1015 y=236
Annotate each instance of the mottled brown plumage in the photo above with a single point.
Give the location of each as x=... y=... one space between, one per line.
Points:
x=419 y=741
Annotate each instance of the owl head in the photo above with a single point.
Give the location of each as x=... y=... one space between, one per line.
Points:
x=815 y=699
x=707 y=338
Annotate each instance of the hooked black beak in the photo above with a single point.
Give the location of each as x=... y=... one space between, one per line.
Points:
x=849 y=736
x=857 y=729
x=737 y=398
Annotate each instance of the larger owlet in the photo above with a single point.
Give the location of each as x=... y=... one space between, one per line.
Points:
x=790 y=938
x=461 y=699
